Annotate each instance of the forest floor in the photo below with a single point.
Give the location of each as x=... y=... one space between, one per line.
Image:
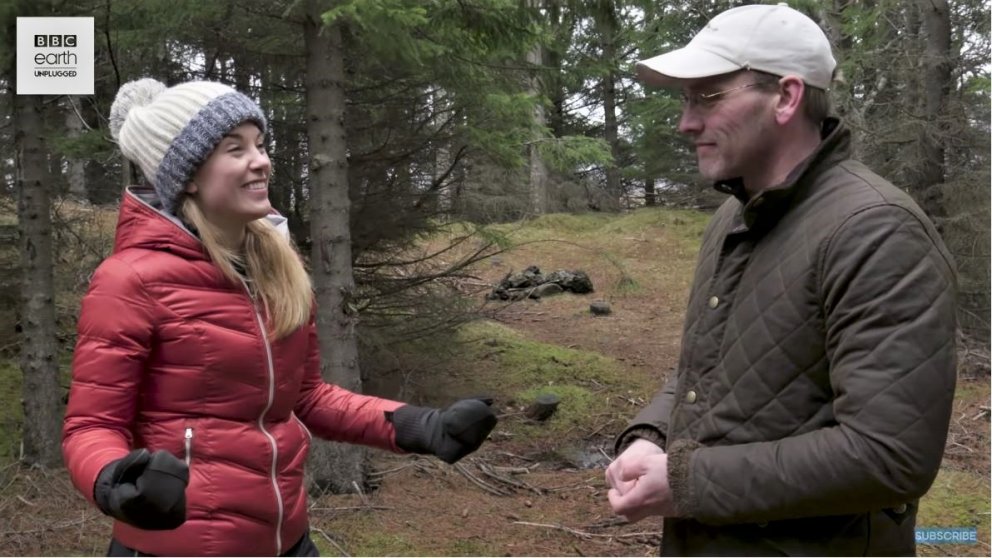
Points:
x=535 y=489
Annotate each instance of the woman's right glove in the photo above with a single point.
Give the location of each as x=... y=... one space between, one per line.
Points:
x=450 y=433
x=147 y=490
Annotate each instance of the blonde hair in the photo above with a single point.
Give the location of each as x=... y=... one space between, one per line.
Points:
x=271 y=265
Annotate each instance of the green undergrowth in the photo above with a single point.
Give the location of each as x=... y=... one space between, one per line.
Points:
x=517 y=370
x=680 y=224
x=956 y=499
x=11 y=408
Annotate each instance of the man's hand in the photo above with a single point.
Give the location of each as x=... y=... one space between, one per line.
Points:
x=638 y=447
x=638 y=481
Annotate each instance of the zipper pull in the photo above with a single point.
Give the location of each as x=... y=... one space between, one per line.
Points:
x=189 y=444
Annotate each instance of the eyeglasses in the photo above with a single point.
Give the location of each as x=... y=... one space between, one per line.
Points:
x=706 y=101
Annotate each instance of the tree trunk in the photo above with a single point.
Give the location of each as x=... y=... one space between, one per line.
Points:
x=39 y=350
x=607 y=23
x=76 y=167
x=650 y=196
x=335 y=467
x=538 y=171
x=936 y=88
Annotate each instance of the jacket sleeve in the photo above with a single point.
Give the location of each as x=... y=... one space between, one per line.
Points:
x=887 y=290
x=114 y=336
x=339 y=415
x=652 y=422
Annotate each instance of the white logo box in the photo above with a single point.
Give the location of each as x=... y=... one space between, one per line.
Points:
x=55 y=56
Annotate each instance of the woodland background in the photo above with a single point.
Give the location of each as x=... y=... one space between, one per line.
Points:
x=396 y=123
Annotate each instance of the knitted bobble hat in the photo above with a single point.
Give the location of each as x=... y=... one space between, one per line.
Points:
x=170 y=132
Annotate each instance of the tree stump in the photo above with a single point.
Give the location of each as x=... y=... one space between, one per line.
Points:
x=543 y=407
x=600 y=308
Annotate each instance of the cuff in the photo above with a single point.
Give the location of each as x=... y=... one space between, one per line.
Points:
x=680 y=475
x=634 y=432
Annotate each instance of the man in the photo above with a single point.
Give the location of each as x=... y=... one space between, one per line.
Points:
x=811 y=403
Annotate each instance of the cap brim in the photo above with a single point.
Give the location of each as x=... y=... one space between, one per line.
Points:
x=668 y=69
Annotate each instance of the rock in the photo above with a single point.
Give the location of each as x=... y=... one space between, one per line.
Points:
x=543 y=407
x=600 y=308
x=530 y=278
x=547 y=289
x=517 y=294
x=575 y=281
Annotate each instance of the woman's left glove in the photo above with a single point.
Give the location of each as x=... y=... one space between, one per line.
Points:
x=450 y=433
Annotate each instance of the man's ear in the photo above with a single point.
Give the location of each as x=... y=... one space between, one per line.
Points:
x=191 y=187
x=791 y=91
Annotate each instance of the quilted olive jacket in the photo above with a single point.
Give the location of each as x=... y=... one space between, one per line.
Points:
x=811 y=403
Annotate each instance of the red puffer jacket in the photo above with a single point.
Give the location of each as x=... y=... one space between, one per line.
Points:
x=171 y=356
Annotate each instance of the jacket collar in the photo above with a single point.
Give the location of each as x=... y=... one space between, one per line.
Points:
x=143 y=223
x=768 y=206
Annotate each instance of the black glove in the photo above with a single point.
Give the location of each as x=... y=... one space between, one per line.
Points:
x=450 y=434
x=147 y=490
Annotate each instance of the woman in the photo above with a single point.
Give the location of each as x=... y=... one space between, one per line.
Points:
x=197 y=360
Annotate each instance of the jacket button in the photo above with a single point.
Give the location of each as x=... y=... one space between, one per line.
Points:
x=901 y=508
x=690 y=397
x=714 y=302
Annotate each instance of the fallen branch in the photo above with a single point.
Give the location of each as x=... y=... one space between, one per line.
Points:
x=512 y=470
x=486 y=470
x=587 y=535
x=380 y=474
x=575 y=486
x=480 y=483
x=515 y=456
x=354 y=508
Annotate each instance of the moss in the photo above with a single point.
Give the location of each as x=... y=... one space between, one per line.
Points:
x=956 y=499
x=372 y=542
x=575 y=410
x=516 y=370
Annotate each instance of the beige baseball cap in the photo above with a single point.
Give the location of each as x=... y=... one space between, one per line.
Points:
x=770 y=38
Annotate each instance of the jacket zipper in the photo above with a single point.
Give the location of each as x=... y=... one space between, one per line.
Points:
x=189 y=444
x=261 y=418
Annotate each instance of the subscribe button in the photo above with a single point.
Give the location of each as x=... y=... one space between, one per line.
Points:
x=947 y=535
x=55 y=56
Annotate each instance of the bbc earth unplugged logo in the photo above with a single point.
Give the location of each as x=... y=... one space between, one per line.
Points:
x=55 y=56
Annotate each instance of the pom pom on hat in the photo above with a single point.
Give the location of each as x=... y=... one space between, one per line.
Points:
x=132 y=94
x=170 y=132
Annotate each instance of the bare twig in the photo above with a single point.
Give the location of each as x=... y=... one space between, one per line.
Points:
x=379 y=474
x=511 y=470
x=573 y=486
x=587 y=535
x=506 y=480
x=480 y=483
x=354 y=508
x=361 y=494
x=331 y=540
